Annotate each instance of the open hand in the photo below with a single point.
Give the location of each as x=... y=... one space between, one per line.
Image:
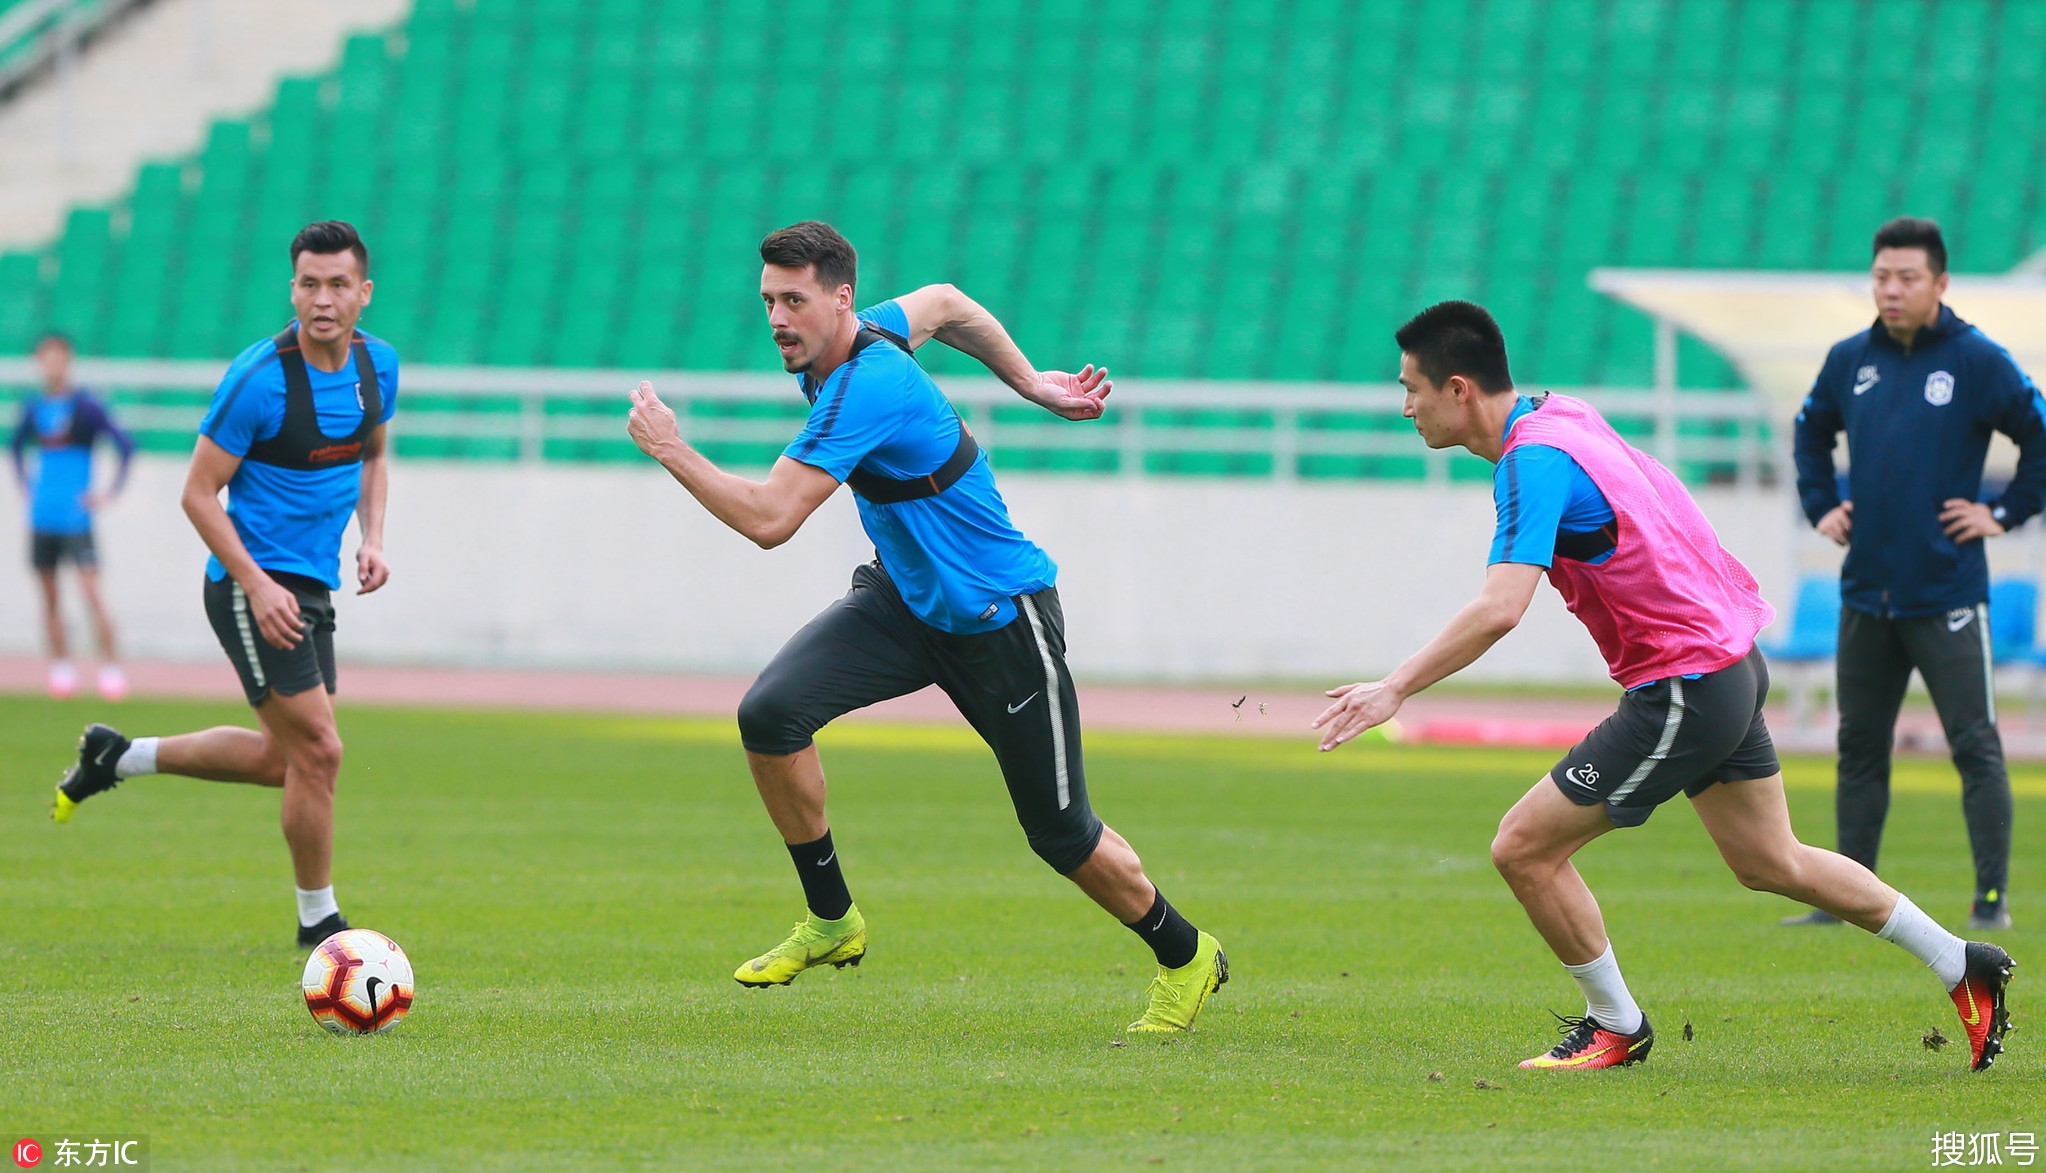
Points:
x=1358 y=708
x=651 y=423
x=1074 y=397
x=1966 y=520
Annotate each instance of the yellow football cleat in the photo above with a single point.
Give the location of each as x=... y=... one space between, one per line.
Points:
x=62 y=808
x=1177 y=995
x=837 y=943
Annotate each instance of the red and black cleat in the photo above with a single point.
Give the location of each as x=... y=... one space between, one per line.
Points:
x=1588 y=1046
x=1979 y=998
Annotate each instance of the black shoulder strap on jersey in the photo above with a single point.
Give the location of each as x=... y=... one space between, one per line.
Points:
x=299 y=442
x=888 y=491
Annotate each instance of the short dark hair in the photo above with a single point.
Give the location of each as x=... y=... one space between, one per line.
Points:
x=1457 y=338
x=1914 y=232
x=813 y=242
x=326 y=237
x=48 y=336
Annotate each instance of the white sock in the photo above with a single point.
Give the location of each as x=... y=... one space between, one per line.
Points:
x=140 y=759
x=1605 y=993
x=316 y=905
x=1921 y=936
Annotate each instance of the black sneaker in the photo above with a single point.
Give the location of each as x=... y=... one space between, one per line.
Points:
x=1589 y=1045
x=1989 y=914
x=310 y=935
x=1817 y=916
x=98 y=751
x=1979 y=998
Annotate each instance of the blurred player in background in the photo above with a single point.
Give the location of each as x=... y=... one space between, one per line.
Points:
x=956 y=596
x=1675 y=616
x=295 y=434
x=1918 y=394
x=63 y=424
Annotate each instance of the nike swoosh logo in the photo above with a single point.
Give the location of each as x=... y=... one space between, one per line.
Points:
x=1861 y=387
x=1974 y=1015
x=102 y=759
x=1161 y=922
x=828 y=858
x=370 y=987
x=1957 y=622
x=1019 y=704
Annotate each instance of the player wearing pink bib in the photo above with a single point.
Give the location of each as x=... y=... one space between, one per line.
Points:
x=1675 y=617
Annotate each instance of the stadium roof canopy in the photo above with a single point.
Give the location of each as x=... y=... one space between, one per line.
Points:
x=1776 y=327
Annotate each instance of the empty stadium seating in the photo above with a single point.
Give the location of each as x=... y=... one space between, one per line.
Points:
x=1239 y=189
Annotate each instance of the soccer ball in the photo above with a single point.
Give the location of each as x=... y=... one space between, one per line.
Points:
x=358 y=982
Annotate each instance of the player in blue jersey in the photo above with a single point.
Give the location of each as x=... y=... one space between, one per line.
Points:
x=956 y=596
x=295 y=434
x=63 y=424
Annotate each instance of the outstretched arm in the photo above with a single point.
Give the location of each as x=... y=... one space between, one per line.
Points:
x=1484 y=621
x=958 y=321
x=767 y=514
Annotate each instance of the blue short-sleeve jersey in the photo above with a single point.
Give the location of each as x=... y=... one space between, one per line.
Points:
x=956 y=557
x=1540 y=491
x=292 y=519
x=63 y=429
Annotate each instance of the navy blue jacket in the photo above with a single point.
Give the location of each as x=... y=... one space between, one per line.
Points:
x=1918 y=425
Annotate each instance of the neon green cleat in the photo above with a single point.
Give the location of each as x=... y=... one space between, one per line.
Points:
x=837 y=943
x=1177 y=995
x=63 y=808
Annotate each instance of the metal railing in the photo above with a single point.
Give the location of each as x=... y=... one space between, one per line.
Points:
x=1277 y=431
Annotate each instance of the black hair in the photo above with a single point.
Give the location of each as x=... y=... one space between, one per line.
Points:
x=326 y=237
x=1457 y=338
x=813 y=242
x=1914 y=232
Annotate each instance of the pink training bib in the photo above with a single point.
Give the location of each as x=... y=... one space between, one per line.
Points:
x=1670 y=601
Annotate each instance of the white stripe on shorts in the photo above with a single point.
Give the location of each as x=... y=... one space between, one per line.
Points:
x=1669 y=737
x=1988 y=665
x=241 y=624
x=1053 y=701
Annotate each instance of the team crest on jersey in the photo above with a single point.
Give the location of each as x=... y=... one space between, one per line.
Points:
x=1865 y=378
x=1939 y=388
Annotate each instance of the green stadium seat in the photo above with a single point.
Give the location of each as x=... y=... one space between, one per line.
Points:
x=1725 y=221
x=1750 y=129
x=1791 y=236
x=1171 y=189
x=1829 y=40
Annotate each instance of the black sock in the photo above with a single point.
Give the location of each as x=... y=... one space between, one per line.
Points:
x=1171 y=936
x=823 y=883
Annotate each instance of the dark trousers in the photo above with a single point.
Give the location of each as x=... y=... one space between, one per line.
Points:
x=1951 y=653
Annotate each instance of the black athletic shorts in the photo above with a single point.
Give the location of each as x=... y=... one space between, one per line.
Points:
x=1673 y=736
x=1010 y=684
x=265 y=669
x=47 y=551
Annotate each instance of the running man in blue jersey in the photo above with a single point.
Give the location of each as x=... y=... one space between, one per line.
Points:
x=956 y=597
x=295 y=435
x=64 y=423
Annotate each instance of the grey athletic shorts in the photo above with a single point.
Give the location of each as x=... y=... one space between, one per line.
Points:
x=1670 y=737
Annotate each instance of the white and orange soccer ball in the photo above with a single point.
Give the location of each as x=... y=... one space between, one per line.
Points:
x=358 y=982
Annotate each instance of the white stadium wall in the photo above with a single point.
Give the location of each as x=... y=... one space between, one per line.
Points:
x=616 y=567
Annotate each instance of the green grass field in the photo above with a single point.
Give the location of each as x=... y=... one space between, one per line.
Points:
x=574 y=892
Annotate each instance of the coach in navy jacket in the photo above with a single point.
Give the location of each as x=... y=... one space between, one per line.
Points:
x=1918 y=394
